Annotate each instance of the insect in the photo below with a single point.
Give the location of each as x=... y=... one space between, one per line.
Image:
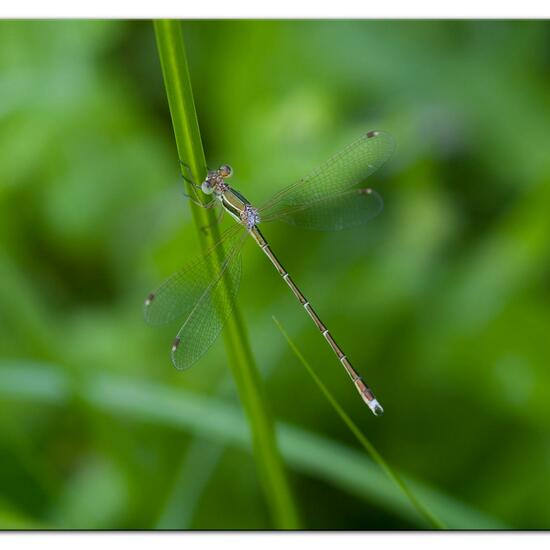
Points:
x=202 y=294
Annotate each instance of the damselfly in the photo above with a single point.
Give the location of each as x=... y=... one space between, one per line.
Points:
x=330 y=198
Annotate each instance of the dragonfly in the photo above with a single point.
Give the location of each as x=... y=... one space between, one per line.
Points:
x=203 y=293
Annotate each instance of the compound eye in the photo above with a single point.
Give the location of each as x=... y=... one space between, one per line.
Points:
x=226 y=171
x=207 y=188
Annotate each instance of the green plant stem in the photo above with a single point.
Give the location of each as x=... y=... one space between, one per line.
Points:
x=177 y=82
x=365 y=443
x=43 y=385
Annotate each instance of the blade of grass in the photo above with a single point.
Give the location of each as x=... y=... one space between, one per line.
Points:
x=215 y=420
x=177 y=82
x=431 y=519
x=202 y=459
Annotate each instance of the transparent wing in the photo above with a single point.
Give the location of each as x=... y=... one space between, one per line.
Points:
x=177 y=296
x=206 y=319
x=341 y=211
x=325 y=187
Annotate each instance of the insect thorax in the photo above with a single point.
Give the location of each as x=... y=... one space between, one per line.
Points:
x=218 y=185
x=249 y=216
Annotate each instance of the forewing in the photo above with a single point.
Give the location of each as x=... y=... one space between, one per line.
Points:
x=206 y=319
x=341 y=172
x=177 y=296
x=341 y=211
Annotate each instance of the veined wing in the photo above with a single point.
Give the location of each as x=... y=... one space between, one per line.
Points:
x=341 y=172
x=207 y=317
x=177 y=296
x=339 y=211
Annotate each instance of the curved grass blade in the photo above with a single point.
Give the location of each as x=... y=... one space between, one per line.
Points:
x=216 y=420
x=365 y=443
x=177 y=296
x=346 y=169
x=212 y=309
x=342 y=211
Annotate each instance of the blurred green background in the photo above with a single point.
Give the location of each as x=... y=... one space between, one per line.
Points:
x=442 y=301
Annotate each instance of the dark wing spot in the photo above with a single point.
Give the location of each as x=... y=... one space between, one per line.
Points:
x=372 y=133
x=176 y=344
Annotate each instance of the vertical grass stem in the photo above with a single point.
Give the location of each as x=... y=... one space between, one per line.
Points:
x=272 y=474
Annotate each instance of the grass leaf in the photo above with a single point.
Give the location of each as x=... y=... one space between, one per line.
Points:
x=213 y=419
x=430 y=518
x=177 y=82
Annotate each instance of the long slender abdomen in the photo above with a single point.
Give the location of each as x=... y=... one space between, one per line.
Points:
x=364 y=391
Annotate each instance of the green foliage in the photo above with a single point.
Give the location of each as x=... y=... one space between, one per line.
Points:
x=442 y=302
x=420 y=507
x=251 y=392
x=212 y=419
